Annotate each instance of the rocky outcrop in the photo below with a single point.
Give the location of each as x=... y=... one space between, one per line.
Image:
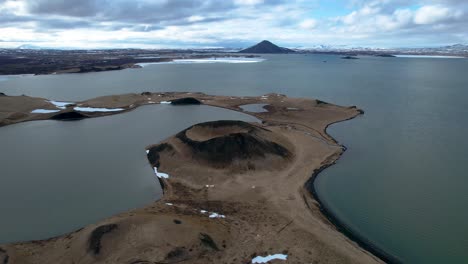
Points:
x=349 y=58
x=94 y=243
x=186 y=101
x=3 y=256
x=73 y=115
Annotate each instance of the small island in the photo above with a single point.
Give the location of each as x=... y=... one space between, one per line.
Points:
x=349 y=58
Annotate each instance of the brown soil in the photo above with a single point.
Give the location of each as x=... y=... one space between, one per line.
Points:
x=253 y=174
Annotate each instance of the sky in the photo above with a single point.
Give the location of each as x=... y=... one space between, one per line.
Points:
x=232 y=23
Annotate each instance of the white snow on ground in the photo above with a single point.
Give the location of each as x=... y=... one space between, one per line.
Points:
x=213 y=214
x=92 y=109
x=220 y=60
x=165 y=102
x=205 y=60
x=260 y=259
x=147 y=151
x=11 y=76
x=61 y=105
x=170 y=204
x=216 y=215
x=44 y=111
x=160 y=174
x=209 y=186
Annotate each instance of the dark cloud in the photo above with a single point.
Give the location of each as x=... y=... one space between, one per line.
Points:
x=137 y=15
x=62 y=24
x=137 y=11
x=81 y=8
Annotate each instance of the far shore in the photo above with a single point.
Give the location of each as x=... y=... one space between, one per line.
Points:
x=83 y=62
x=224 y=206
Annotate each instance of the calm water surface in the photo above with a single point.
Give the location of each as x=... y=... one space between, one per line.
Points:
x=403 y=182
x=58 y=176
x=254 y=108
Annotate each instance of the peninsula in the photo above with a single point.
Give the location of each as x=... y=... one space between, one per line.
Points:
x=240 y=196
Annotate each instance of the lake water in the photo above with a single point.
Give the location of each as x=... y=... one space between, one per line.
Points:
x=254 y=108
x=59 y=176
x=403 y=182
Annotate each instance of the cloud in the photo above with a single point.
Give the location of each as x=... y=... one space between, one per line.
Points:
x=308 y=24
x=232 y=23
x=82 y=8
x=432 y=14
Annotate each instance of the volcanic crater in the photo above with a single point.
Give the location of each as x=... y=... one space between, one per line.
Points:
x=234 y=146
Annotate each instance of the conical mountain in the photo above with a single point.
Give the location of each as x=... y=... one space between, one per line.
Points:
x=266 y=47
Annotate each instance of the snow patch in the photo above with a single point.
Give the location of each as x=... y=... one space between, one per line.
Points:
x=429 y=56
x=216 y=215
x=170 y=204
x=161 y=174
x=147 y=151
x=93 y=109
x=61 y=105
x=220 y=60
x=205 y=60
x=165 y=102
x=44 y=111
x=260 y=259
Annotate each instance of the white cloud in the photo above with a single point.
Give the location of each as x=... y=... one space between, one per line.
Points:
x=195 y=18
x=308 y=24
x=432 y=14
x=248 y=2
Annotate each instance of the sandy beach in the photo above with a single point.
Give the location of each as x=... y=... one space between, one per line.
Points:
x=234 y=192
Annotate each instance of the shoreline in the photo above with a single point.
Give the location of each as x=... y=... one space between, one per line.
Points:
x=327 y=212
x=343 y=228
x=101 y=64
x=276 y=119
x=339 y=224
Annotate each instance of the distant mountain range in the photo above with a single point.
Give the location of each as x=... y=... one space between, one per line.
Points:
x=266 y=47
x=453 y=50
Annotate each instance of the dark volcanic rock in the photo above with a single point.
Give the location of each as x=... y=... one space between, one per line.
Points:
x=246 y=142
x=3 y=256
x=177 y=255
x=146 y=93
x=266 y=47
x=2 y=94
x=68 y=116
x=349 y=58
x=385 y=55
x=94 y=243
x=208 y=241
x=153 y=153
x=320 y=102
x=186 y=101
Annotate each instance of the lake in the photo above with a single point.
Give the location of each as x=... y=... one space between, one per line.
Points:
x=402 y=184
x=58 y=176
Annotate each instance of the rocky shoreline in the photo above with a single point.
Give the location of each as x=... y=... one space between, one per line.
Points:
x=220 y=206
